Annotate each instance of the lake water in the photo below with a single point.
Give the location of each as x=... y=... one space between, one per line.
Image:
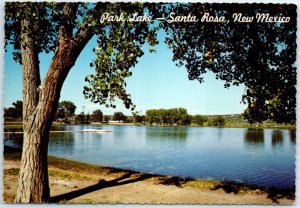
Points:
x=264 y=157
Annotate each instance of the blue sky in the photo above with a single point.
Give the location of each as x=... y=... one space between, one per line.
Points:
x=156 y=83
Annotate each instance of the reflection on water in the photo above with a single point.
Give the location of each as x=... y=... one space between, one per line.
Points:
x=220 y=132
x=167 y=132
x=262 y=157
x=62 y=137
x=277 y=139
x=172 y=138
x=254 y=139
x=293 y=135
x=13 y=140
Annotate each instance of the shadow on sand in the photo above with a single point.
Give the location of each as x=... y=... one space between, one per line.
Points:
x=125 y=179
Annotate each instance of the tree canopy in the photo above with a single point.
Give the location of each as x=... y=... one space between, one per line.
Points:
x=199 y=119
x=259 y=55
x=97 y=115
x=65 y=109
x=119 y=116
x=178 y=116
x=217 y=121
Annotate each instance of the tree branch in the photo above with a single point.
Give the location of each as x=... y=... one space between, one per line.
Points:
x=65 y=56
x=66 y=29
x=85 y=32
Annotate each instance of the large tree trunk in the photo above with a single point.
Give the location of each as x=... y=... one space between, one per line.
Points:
x=39 y=106
x=33 y=184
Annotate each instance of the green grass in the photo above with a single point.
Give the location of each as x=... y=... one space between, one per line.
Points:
x=88 y=201
x=75 y=166
x=15 y=126
x=235 y=121
x=202 y=184
x=56 y=174
x=11 y=172
x=68 y=165
x=15 y=155
x=70 y=176
x=229 y=187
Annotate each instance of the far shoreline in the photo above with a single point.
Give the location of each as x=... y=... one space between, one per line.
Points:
x=18 y=124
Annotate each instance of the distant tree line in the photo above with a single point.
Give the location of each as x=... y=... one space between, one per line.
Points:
x=174 y=116
x=15 y=112
x=180 y=116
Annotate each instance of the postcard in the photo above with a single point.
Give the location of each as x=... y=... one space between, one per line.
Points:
x=150 y=103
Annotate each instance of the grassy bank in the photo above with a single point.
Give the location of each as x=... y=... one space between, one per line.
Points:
x=68 y=170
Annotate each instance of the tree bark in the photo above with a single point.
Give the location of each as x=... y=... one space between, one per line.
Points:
x=39 y=107
x=33 y=177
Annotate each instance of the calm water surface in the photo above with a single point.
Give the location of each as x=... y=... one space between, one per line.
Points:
x=264 y=157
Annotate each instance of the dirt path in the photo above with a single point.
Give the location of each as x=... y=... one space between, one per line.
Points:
x=127 y=188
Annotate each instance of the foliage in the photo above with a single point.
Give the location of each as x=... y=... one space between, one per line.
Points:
x=82 y=118
x=199 y=120
x=254 y=115
x=14 y=112
x=65 y=109
x=119 y=116
x=44 y=18
x=119 y=45
x=139 y=119
x=174 y=116
x=259 y=55
x=87 y=118
x=129 y=119
x=106 y=119
x=216 y=121
x=97 y=116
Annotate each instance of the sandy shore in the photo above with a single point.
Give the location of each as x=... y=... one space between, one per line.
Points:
x=112 y=186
